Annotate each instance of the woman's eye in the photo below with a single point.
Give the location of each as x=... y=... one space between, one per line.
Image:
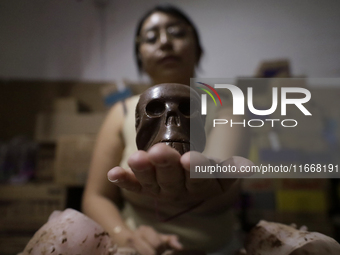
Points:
x=150 y=37
x=177 y=32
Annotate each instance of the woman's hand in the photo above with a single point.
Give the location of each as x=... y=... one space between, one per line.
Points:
x=146 y=241
x=164 y=174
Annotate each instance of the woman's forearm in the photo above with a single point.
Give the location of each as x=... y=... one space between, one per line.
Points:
x=106 y=213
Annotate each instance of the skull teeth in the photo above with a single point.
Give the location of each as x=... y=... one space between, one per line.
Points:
x=181 y=147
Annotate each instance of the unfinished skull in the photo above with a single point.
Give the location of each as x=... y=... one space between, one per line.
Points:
x=164 y=114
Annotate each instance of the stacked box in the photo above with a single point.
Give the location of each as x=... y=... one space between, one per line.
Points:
x=50 y=126
x=67 y=105
x=25 y=208
x=45 y=165
x=73 y=158
x=302 y=195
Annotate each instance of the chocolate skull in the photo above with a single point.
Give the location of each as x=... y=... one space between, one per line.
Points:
x=164 y=114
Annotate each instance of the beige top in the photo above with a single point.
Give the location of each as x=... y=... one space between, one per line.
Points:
x=196 y=231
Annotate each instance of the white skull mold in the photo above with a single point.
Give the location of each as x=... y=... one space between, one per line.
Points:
x=164 y=114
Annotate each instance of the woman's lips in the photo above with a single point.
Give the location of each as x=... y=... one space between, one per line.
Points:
x=169 y=60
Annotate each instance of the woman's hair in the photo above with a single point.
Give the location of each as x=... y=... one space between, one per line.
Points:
x=173 y=11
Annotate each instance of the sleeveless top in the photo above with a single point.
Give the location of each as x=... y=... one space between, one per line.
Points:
x=196 y=231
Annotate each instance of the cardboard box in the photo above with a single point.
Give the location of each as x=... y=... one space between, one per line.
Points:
x=304 y=201
x=67 y=105
x=273 y=68
x=44 y=171
x=27 y=207
x=88 y=94
x=50 y=126
x=136 y=88
x=73 y=158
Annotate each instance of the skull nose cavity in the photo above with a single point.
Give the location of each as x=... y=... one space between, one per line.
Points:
x=172 y=120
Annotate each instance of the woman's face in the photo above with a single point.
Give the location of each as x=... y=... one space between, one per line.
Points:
x=167 y=49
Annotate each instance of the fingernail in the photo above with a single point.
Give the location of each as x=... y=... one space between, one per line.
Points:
x=114 y=181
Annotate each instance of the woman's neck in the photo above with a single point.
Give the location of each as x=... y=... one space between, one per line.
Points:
x=181 y=80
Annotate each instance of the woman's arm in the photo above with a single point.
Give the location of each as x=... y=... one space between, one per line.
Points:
x=100 y=196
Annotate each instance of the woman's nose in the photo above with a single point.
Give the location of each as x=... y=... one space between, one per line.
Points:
x=164 y=38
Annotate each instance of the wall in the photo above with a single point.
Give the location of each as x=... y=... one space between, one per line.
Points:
x=74 y=39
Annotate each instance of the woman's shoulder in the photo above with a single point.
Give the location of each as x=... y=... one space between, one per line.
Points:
x=132 y=100
x=129 y=105
x=119 y=108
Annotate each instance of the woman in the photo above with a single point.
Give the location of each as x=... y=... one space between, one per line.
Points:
x=167 y=49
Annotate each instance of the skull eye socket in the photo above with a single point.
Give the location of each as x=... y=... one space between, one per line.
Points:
x=155 y=108
x=187 y=109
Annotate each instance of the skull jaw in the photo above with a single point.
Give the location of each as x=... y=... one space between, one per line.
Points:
x=174 y=136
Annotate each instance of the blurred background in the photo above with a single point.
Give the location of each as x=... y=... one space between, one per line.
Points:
x=93 y=39
x=63 y=63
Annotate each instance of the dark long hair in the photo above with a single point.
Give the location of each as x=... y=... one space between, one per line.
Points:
x=173 y=11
